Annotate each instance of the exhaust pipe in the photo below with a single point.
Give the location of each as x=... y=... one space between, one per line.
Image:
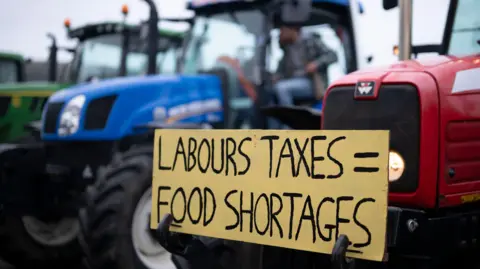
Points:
x=52 y=59
x=405 y=38
x=152 y=39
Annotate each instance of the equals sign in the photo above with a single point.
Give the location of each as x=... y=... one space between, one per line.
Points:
x=365 y=155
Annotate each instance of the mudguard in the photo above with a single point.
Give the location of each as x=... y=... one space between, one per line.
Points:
x=300 y=118
x=35 y=128
x=12 y=154
x=20 y=167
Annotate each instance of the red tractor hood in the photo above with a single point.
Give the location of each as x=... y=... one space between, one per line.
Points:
x=444 y=69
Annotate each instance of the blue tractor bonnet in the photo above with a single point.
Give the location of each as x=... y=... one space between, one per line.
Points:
x=108 y=86
x=136 y=100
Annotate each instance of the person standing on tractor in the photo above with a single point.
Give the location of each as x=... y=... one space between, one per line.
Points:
x=302 y=71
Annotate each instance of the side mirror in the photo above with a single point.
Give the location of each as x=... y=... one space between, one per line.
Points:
x=389 y=4
x=296 y=11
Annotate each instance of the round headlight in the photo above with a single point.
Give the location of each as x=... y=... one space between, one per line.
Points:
x=70 y=117
x=396 y=166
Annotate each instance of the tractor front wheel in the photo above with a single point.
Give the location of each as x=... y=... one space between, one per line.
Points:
x=114 y=225
x=27 y=242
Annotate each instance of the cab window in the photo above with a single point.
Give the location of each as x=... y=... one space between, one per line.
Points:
x=465 y=35
x=167 y=63
x=328 y=37
x=8 y=71
x=221 y=35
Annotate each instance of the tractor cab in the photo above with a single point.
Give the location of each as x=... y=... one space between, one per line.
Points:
x=462 y=33
x=238 y=42
x=111 y=49
x=11 y=68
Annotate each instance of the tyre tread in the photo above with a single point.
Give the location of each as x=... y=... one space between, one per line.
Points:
x=100 y=230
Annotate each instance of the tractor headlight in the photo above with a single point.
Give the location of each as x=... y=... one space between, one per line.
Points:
x=396 y=166
x=70 y=117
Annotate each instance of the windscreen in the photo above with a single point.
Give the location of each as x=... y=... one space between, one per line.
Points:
x=100 y=57
x=465 y=37
x=224 y=34
x=8 y=71
x=236 y=34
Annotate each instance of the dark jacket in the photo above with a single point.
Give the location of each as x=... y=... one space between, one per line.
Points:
x=314 y=50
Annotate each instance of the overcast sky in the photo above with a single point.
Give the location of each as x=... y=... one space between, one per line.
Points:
x=24 y=23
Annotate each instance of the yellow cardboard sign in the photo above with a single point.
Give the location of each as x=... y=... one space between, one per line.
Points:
x=286 y=188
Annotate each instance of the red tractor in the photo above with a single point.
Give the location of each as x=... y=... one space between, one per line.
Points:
x=432 y=109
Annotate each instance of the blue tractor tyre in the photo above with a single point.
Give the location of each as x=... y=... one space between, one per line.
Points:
x=106 y=223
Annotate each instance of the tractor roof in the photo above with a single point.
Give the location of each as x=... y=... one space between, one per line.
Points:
x=11 y=56
x=97 y=29
x=201 y=4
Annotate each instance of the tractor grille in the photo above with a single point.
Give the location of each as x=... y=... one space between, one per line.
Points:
x=98 y=111
x=51 y=117
x=397 y=109
x=4 y=104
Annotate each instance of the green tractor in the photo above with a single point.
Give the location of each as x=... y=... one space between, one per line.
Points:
x=103 y=50
x=12 y=68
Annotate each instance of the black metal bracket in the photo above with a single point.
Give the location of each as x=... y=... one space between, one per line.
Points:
x=197 y=253
x=175 y=243
x=339 y=251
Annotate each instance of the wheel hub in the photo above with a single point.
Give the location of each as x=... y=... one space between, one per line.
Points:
x=52 y=234
x=151 y=254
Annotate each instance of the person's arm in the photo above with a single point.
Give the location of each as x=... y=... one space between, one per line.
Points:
x=324 y=56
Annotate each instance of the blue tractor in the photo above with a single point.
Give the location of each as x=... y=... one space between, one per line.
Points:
x=218 y=87
x=101 y=134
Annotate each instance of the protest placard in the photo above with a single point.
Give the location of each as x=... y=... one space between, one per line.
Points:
x=288 y=188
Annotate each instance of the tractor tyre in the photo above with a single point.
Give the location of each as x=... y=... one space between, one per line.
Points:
x=115 y=222
x=26 y=242
x=23 y=245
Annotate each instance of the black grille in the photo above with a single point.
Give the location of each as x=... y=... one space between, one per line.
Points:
x=77 y=154
x=98 y=111
x=51 y=117
x=4 y=104
x=396 y=109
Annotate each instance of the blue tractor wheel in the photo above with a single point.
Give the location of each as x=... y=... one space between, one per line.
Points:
x=114 y=224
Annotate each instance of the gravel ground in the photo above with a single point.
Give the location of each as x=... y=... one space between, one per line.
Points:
x=4 y=265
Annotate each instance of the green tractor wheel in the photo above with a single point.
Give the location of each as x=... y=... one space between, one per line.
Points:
x=31 y=243
x=27 y=242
